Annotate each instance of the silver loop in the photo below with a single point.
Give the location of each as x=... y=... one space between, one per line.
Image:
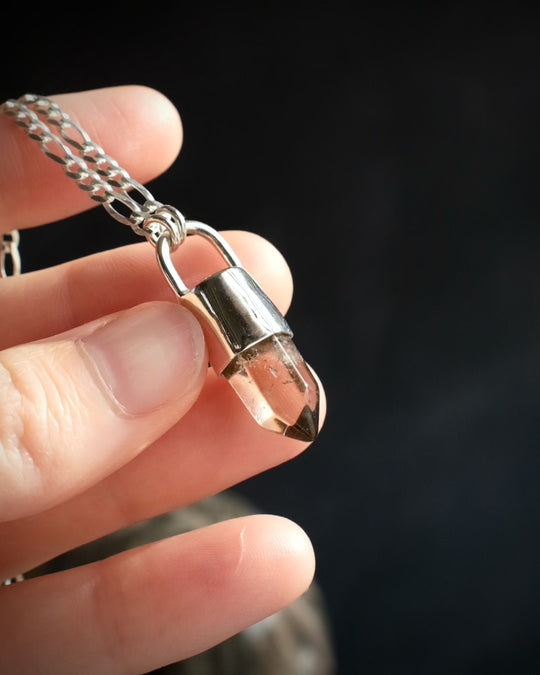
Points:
x=211 y=235
x=165 y=220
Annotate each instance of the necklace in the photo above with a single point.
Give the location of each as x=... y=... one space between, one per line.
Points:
x=249 y=341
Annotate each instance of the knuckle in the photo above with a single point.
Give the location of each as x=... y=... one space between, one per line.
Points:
x=39 y=408
x=111 y=632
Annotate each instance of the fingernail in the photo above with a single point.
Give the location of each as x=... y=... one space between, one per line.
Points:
x=147 y=356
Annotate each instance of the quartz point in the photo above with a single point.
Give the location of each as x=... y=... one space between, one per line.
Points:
x=277 y=387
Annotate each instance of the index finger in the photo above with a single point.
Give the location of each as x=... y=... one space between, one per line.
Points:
x=136 y=125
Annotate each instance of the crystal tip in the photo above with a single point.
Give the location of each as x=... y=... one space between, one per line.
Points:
x=306 y=427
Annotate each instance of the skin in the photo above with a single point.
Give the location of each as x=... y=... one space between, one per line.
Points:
x=85 y=449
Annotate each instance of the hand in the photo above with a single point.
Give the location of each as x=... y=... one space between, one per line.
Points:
x=109 y=415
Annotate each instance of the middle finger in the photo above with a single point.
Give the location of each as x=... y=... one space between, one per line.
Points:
x=216 y=445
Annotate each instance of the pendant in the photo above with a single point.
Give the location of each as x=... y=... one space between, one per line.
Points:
x=249 y=342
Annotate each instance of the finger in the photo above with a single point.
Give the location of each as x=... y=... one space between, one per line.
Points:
x=99 y=511
x=51 y=301
x=79 y=405
x=157 y=604
x=216 y=445
x=136 y=125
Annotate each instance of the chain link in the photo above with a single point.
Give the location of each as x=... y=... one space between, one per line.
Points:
x=10 y=251
x=95 y=172
x=12 y=580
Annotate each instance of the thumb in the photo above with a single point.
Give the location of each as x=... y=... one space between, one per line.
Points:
x=77 y=406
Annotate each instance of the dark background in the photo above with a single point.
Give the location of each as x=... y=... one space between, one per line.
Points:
x=393 y=157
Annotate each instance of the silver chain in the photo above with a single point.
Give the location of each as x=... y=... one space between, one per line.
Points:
x=106 y=182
